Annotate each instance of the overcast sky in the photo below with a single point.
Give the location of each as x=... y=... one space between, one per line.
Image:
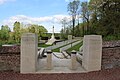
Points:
x=42 y=12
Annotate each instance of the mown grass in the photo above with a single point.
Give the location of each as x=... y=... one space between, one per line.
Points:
x=76 y=47
x=57 y=49
x=43 y=45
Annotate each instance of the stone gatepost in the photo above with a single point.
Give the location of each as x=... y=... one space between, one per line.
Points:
x=29 y=46
x=73 y=60
x=92 y=52
x=49 y=59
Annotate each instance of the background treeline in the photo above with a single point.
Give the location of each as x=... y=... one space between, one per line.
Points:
x=100 y=17
x=9 y=37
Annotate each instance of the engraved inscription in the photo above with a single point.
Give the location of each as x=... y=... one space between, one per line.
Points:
x=28 y=40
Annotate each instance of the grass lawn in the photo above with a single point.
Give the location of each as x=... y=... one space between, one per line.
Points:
x=43 y=45
x=76 y=47
x=57 y=49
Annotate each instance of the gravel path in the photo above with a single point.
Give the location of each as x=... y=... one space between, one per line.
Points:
x=109 y=74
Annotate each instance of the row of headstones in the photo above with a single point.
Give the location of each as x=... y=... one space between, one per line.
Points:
x=92 y=52
x=69 y=46
x=59 y=44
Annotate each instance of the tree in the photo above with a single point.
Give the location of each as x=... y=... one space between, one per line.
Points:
x=77 y=31
x=38 y=29
x=4 y=33
x=64 y=22
x=86 y=16
x=41 y=30
x=110 y=16
x=73 y=8
x=17 y=33
x=105 y=19
x=32 y=29
x=93 y=7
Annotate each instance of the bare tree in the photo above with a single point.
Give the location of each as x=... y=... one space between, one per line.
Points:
x=73 y=8
x=85 y=15
x=64 y=23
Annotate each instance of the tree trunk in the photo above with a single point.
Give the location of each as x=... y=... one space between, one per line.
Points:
x=73 y=25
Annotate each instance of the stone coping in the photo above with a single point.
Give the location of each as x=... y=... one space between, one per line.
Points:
x=108 y=44
x=10 y=50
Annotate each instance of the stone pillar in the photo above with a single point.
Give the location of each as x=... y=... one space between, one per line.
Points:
x=73 y=60
x=53 y=37
x=29 y=46
x=92 y=52
x=49 y=59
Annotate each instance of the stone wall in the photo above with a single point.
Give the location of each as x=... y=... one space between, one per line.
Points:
x=10 y=58
x=111 y=54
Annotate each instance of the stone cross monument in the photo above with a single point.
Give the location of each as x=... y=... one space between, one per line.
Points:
x=52 y=39
x=53 y=34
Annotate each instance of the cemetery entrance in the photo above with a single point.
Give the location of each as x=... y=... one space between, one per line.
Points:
x=56 y=62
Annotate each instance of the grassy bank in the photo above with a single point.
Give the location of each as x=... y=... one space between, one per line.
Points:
x=57 y=49
x=43 y=45
x=76 y=47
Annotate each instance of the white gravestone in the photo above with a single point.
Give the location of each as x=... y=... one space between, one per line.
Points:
x=29 y=44
x=92 y=52
x=69 y=37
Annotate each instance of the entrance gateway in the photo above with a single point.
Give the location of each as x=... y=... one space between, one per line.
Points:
x=91 y=59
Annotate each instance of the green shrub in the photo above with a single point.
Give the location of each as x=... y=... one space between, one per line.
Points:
x=111 y=37
x=0 y=44
x=11 y=42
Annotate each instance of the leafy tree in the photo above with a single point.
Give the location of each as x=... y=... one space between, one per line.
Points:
x=110 y=16
x=4 y=33
x=77 y=31
x=100 y=17
x=105 y=17
x=17 y=31
x=32 y=29
x=40 y=30
x=24 y=29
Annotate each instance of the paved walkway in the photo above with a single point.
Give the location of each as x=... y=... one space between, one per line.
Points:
x=59 y=65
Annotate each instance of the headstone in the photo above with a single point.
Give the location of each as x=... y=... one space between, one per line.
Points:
x=69 y=37
x=29 y=44
x=92 y=52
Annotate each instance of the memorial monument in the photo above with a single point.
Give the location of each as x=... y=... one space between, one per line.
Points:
x=52 y=39
x=29 y=48
x=92 y=52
